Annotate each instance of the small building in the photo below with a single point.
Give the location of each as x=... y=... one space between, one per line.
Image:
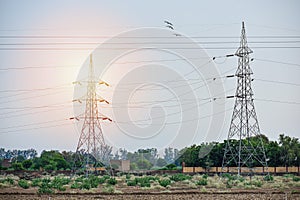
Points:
x=6 y=163
x=123 y=165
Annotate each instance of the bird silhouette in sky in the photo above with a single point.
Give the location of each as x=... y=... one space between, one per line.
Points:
x=168 y=23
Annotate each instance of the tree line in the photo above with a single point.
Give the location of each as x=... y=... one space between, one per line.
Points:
x=284 y=152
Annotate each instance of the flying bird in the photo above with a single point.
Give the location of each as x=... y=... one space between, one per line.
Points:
x=169 y=23
x=170 y=27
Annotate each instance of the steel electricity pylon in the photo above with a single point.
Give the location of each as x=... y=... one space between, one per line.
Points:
x=91 y=145
x=244 y=147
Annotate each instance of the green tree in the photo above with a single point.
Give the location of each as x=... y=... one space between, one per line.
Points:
x=289 y=148
x=17 y=166
x=27 y=163
x=144 y=164
x=133 y=166
x=273 y=153
x=161 y=162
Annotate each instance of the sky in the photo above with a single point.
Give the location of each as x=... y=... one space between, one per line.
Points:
x=55 y=39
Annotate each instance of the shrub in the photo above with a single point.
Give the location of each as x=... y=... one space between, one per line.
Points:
x=109 y=189
x=165 y=182
x=112 y=181
x=205 y=176
x=202 y=182
x=296 y=178
x=101 y=180
x=23 y=184
x=59 y=182
x=143 y=181
x=17 y=166
x=268 y=178
x=106 y=177
x=225 y=175
x=45 y=188
x=128 y=176
x=229 y=183
x=86 y=185
x=171 y=167
x=257 y=183
x=145 y=184
x=180 y=177
x=75 y=185
x=94 y=181
x=62 y=188
x=79 y=179
x=10 y=180
x=131 y=183
x=36 y=182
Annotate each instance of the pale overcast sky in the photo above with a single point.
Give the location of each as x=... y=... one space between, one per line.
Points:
x=36 y=73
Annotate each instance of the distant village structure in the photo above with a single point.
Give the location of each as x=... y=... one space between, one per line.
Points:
x=123 y=165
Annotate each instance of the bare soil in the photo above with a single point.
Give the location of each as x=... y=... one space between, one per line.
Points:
x=212 y=196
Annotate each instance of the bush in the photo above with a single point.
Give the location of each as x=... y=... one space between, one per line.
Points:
x=23 y=184
x=229 y=183
x=36 y=182
x=145 y=184
x=17 y=166
x=75 y=185
x=171 y=167
x=94 y=181
x=131 y=183
x=27 y=164
x=106 y=177
x=268 y=178
x=205 y=176
x=202 y=182
x=62 y=188
x=10 y=180
x=165 y=182
x=128 y=176
x=296 y=178
x=59 y=182
x=86 y=185
x=143 y=181
x=45 y=188
x=257 y=183
x=101 y=180
x=228 y=176
x=112 y=181
x=180 y=177
x=109 y=189
x=79 y=179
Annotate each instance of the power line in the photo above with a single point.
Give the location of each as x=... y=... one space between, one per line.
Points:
x=278 y=62
x=35 y=89
x=131 y=43
x=25 y=98
x=32 y=124
x=278 y=82
x=127 y=62
x=128 y=48
x=278 y=101
x=41 y=127
x=138 y=37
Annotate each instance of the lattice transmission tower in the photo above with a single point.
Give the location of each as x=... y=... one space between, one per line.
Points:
x=91 y=145
x=244 y=147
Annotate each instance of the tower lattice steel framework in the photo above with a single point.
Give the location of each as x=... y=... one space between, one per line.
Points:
x=91 y=141
x=244 y=147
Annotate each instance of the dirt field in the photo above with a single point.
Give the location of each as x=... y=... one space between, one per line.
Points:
x=250 y=196
x=286 y=187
